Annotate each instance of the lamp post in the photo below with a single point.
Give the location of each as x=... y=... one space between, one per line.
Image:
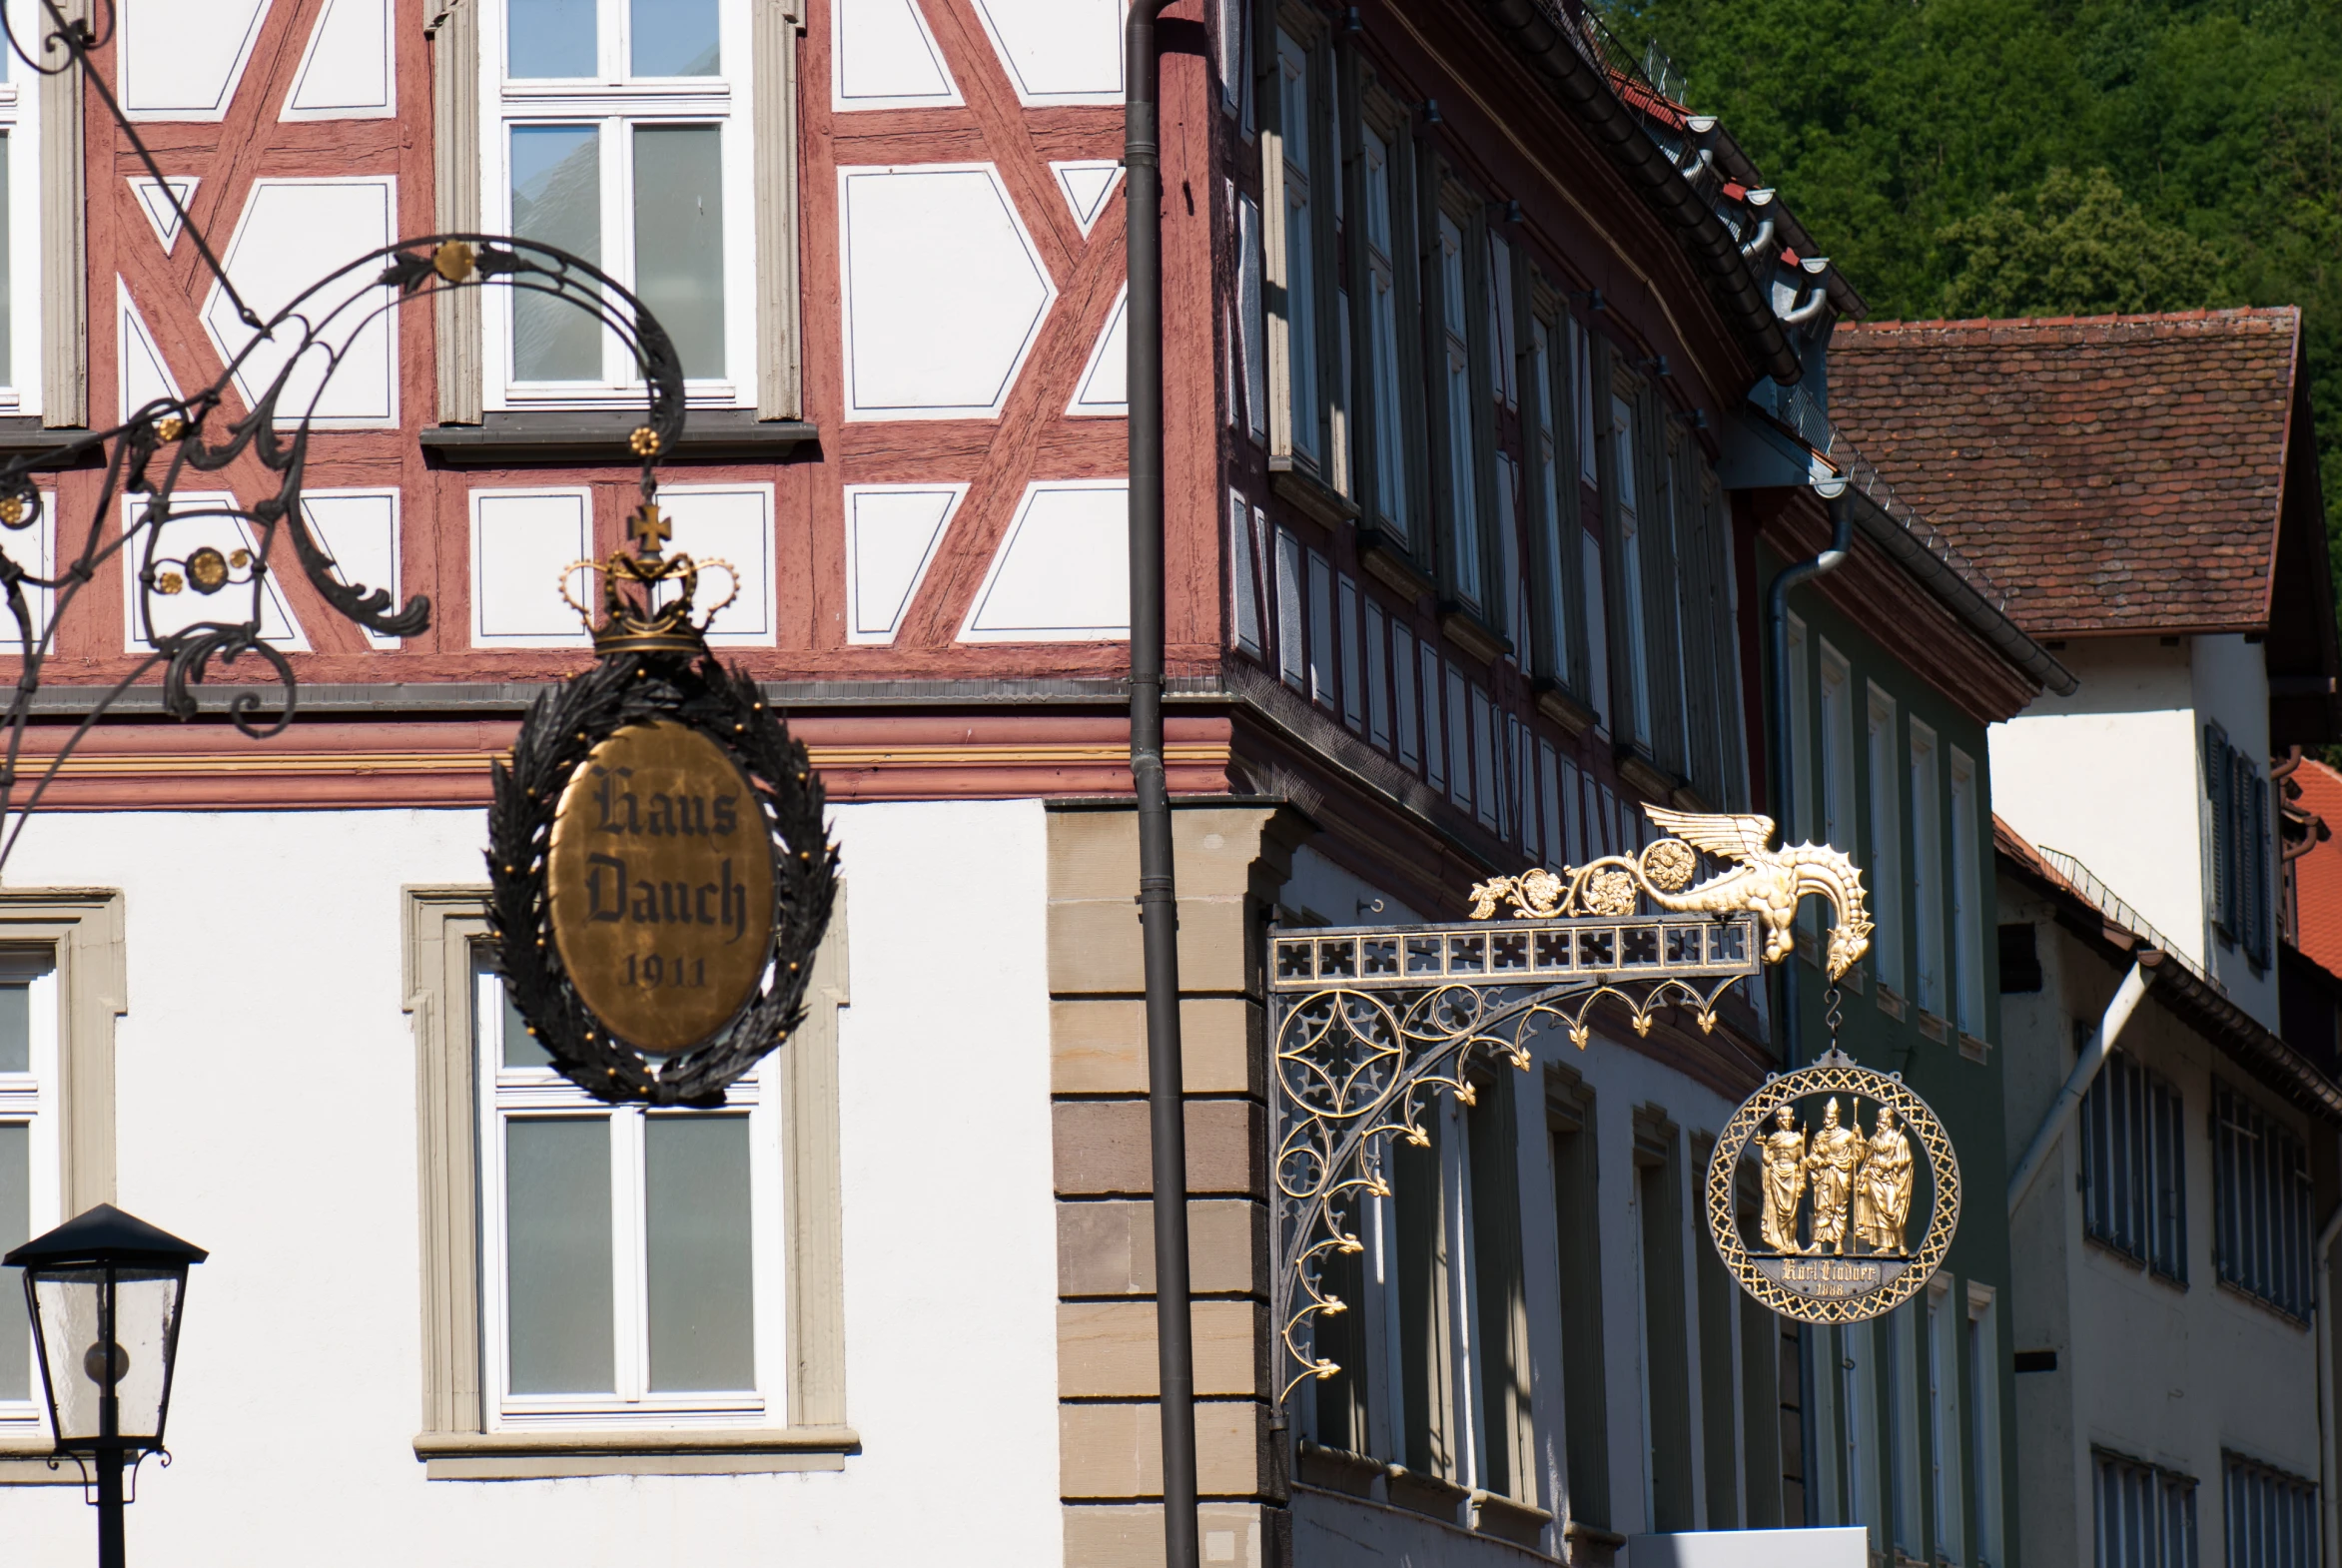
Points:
x=104 y=1291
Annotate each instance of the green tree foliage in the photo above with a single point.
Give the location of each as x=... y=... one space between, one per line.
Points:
x=1929 y=147
x=2080 y=249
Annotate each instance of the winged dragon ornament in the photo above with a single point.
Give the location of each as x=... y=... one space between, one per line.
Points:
x=1763 y=881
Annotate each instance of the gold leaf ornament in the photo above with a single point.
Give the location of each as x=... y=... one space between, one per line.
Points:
x=1668 y=863
x=1608 y=893
x=453 y=261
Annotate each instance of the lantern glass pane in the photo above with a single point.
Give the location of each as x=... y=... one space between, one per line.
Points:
x=147 y=1309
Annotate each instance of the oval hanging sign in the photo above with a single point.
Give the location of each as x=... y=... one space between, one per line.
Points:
x=661 y=873
x=1857 y=1193
x=660 y=879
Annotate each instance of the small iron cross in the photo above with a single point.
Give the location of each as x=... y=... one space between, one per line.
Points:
x=649 y=530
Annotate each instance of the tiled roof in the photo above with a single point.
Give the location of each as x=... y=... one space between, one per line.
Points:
x=2317 y=875
x=2112 y=472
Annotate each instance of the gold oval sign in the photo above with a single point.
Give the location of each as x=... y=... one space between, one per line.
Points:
x=660 y=882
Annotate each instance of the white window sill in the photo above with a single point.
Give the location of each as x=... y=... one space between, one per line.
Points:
x=24 y=1461
x=553 y=1453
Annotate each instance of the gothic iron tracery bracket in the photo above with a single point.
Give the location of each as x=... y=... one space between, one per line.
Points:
x=1371 y=1025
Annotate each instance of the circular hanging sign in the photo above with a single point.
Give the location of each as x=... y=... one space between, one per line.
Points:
x=661 y=874
x=660 y=880
x=1843 y=1157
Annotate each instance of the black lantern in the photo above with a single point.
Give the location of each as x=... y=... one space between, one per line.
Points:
x=104 y=1291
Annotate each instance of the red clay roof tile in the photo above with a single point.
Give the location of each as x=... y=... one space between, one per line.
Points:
x=2113 y=473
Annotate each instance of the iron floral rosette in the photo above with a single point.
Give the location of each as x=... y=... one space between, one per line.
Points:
x=1810 y=1280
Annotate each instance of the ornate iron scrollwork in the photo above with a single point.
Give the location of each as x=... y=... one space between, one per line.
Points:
x=1370 y=1023
x=276 y=380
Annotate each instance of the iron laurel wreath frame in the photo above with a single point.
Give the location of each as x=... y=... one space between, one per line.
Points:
x=170 y=441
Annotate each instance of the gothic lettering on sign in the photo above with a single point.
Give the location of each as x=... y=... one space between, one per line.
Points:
x=661 y=886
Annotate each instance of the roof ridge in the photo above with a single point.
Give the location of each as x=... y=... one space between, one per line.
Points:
x=2236 y=312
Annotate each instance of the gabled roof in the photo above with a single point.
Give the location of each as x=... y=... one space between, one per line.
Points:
x=2117 y=473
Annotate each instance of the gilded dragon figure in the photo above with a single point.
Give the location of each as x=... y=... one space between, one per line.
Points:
x=1767 y=881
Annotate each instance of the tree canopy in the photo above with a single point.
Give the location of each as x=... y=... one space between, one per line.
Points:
x=2046 y=157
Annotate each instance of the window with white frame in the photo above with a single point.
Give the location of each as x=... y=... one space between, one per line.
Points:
x=1926 y=870
x=29 y=1197
x=1987 y=1515
x=2145 y=1514
x=1558 y=525
x=1899 y=1357
x=1943 y=1357
x=1836 y=770
x=2241 y=878
x=1886 y=841
x=20 y=227
x=2272 y=1516
x=2260 y=1204
x=1463 y=496
x=1967 y=899
x=629 y=1258
x=1623 y=438
x=1386 y=195
x=1302 y=318
x=620 y=133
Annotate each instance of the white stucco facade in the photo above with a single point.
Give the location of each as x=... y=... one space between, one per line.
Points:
x=267 y=1110
x=2113 y=775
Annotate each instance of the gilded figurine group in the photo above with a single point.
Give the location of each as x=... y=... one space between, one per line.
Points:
x=1865 y=1180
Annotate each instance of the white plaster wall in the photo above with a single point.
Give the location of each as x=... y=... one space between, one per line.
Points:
x=2110 y=776
x=2144 y=1367
x=267 y=1110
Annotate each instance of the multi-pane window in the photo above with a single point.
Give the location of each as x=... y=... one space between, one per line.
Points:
x=1457 y=379
x=1557 y=499
x=1384 y=197
x=622 y=1274
x=1627 y=469
x=2240 y=879
x=1301 y=281
x=2260 y=1204
x=2134 y=1166
x=28 y=1167
x=1927 y=871
x=2273 y=1517
x=1886 y=885
x=1968 y=900
x=620 y=138
x=2145 y=1515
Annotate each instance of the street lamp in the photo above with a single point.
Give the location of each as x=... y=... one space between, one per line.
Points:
x=104 y=1291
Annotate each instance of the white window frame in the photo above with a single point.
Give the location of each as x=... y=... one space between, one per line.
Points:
x=33 y=1100
x=1944 y=1325
x=541 y=1092
x=1885 y=862
x=20 y=122
x=1462 y=405
x=1984 y=1334
x=1836 y=736
x=1927 y=871
x=617 y=104
x=1625 y=438
x=1379 y=149
x=1561 y=499
x=1967 y=907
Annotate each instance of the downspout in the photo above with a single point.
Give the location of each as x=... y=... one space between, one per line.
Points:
x=1159 y=911
x=2332 y=1552
x=2077 y=1083
x=1778 y=765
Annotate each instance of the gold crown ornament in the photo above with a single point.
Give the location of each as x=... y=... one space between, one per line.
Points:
x=634 y=620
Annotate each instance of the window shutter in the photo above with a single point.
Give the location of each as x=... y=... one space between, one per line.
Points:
x=2256 y=845
x=2218 y=790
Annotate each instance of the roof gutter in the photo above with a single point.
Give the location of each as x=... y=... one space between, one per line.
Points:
x=1584 y=89
x=2243 y=1036
x=1960 y=596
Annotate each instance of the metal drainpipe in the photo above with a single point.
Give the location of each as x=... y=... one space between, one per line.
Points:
x=1158 y=896
x=1777 y=682
x=2077 y=1083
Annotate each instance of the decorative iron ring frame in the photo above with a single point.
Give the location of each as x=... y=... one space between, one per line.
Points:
x=1833 y=1073
x=564 y=724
